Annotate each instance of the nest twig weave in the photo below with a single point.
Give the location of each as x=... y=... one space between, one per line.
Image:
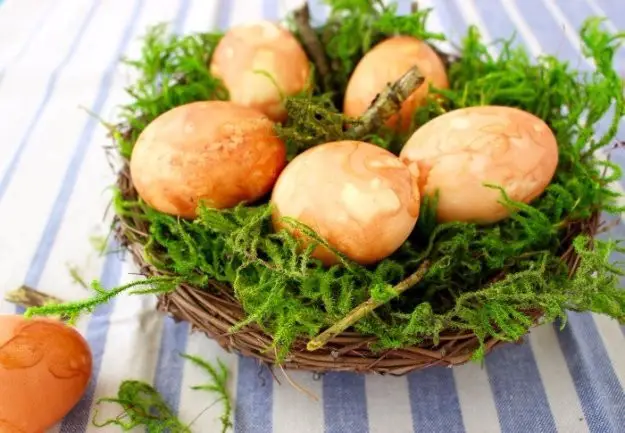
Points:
x=215 y=311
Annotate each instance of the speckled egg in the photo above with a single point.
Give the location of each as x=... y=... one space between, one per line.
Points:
x=385 y=63
x=216 y=152
x=358 y=197
x=45 y=367
x=260 y=63
x=461 y=151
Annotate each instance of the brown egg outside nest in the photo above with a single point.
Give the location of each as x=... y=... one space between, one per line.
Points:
x=461 y=151
x=216 y=152
x=384 y=64
x=260 y=63
x=361 y=199
x=45 y=368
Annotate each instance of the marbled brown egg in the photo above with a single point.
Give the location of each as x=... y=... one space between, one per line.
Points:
x=260 y=63
x=387 y=62
x=45 y=367
x=357 y=196
x=460 y=152
x=216 y=152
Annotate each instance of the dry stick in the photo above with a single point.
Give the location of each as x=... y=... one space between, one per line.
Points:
x=387 y=103
x=28 y=297
x=311 y=42
x=363 y=309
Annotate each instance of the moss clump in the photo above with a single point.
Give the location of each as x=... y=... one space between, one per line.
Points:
x=489 y=280
x=143 y=406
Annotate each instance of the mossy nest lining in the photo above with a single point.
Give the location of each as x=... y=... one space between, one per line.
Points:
x=453 y=291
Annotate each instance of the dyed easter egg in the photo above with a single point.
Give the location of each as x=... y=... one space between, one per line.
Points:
x=260 y=63
x=211 y=151
x=45 y=367
x=460 y=152
x=385 y=63
x=358 y=197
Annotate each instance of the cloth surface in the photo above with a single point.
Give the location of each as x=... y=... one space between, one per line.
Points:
x=59 y=55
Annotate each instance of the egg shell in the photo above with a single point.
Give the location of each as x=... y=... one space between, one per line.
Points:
x=357 y=196
x=45 y=367
x=269 y=48
x=214 y=151
x=385 y=63
x=459 y=151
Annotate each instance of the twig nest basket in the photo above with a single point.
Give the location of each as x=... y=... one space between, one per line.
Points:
x=327 y=238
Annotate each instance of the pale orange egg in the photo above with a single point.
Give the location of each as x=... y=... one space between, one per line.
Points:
x=260 y=63
x=45 y=367
x=356 y=196
x=384 y=64
x=216 y=152
x=461 y=151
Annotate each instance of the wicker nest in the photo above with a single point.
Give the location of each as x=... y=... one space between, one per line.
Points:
x=216 y=310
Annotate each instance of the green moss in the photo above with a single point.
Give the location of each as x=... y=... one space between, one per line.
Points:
x=143 y=406
x=483 y=279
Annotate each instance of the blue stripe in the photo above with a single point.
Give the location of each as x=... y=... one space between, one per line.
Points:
x=170 y=365
x=403 y=6
x=318 y=12
x=345 y=403
x=577 y=12
x=254 y=398
x=434 y=401
x=598 y=388
x=181 y=16
x=452 y=20
x=96 y=335
x=223 y=15
x=615 y=9
x=11 y=169
x=550 y=33
x=53 y=224
x=499 y=24
x=517 y=386
x=270 y=10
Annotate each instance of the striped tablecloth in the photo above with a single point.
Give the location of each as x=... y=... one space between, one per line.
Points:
x=59 y=55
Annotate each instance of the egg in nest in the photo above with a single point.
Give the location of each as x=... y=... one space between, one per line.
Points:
x=361 y=199
x=216 y=152
x=385 y=63
x=459 y=152
x=260 y=63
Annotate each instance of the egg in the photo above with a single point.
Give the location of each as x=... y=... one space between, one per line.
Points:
x=45 y=367
x=216 y=152
x=458 y=152
x=361 y=199
x=384 y=64
x=260 y=63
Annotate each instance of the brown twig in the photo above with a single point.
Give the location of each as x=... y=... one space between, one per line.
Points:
x=363 y=309
x=28 y=297
x=387 y=103
x=311 y=43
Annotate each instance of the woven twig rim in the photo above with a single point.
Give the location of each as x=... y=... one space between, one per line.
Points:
x=215 y=311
